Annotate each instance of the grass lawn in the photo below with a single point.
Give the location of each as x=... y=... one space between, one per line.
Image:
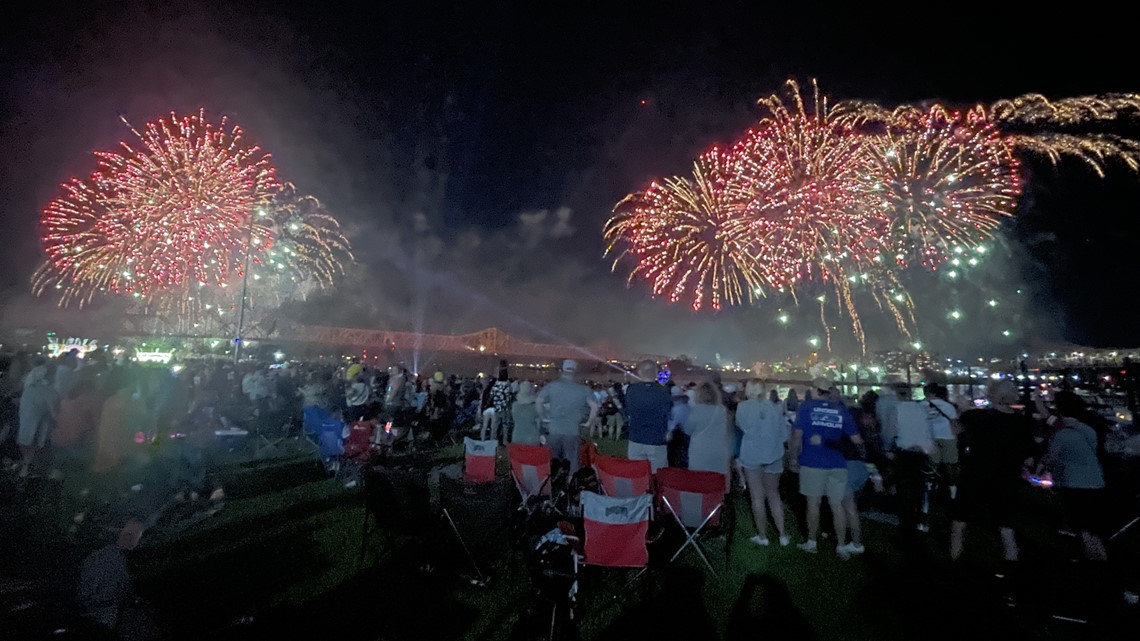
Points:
x=287 y=557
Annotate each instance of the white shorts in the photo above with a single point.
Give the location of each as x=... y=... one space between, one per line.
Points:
x=657 y=455
x=490 y=411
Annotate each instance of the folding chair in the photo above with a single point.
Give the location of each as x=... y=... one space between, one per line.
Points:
x=312 y=417
x=358 y=443
x=480 y=516
x=398 y=500
x=530 y=468
x=696 y=500
x=270 y=438
x=622 y=477
x=480 y=460
x=615 y=531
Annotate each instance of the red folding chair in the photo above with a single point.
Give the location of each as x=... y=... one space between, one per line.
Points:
x=615 y=529
x=358 y=444
x=696 y=500
x=480 y=460
x=530 y=467
x=622 y=477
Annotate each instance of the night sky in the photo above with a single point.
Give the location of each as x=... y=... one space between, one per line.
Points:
x=474 y=153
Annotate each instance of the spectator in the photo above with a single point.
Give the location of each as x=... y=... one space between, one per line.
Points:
x=678 y=447
x=943 y=418
x=358 y=397
x=997 y=444
x=106 y=592
x=647 y=410
x=65 y=372
x=815 y=451
x=501 y=401
x=525 y=416
x=38 y=410
x=710 y=433
x=78 y=416
x=1077 y=473
x=566 y=402
x=765 y=430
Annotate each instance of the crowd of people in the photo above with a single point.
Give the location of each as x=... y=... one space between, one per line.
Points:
x=126 y=426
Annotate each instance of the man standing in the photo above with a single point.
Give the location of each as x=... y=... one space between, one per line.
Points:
x=647 y=409
x=565 y=403
x=820 y=425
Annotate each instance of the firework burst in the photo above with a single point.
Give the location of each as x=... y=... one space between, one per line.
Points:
x=947 y=180
x=689 y=237
x=169 y=212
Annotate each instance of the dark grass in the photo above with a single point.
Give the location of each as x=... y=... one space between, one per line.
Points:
x=284 y=552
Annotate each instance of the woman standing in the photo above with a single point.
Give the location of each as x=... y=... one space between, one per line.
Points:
x=1077 y=473
x=501 y=399
x=525 y=415
x=762 y=450
x=38 y=409
x=710 y=434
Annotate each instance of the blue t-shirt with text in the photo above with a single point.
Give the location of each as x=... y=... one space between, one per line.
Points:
x=823 y=423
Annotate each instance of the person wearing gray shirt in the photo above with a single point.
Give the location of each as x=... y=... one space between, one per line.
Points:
x=565 y=403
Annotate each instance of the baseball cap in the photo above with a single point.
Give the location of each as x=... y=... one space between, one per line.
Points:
x=821 y=384
x=569 y=366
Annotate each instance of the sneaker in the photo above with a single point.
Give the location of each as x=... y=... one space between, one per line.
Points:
x=843 y=552
x=856 y=549
x=784 y=541
x=759 y=541
x=808 y=546
x=922 y=527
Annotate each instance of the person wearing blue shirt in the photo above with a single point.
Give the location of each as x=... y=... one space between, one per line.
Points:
x=816 y=439
x=647 y=410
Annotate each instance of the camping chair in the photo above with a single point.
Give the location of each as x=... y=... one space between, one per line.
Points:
x=622 y=477
x=358 y=443
x=480 y=460
x=479 y=514
x=311 y=419
x=696 y=500
x=269 y=438
x=530 y=468
x=615 y=530
x=398 y=500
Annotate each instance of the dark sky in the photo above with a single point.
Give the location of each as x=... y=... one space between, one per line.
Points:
x=474 y=152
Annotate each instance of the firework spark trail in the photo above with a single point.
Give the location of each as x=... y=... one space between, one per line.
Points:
x=687 y=237
x=168 y=213
x=947 y=179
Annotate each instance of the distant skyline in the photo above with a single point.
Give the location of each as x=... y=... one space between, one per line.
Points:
x=473 y=153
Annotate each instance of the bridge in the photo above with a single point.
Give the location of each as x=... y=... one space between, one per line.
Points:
x=488 y=341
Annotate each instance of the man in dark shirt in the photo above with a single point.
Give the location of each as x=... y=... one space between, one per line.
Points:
x=996 y=442
x=647 y=409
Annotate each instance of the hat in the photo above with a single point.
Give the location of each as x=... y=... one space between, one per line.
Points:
x=821 y=384
x=569 y=366
x=526 y=392
x=730 y=389
x=438 y=377
x=676 y=391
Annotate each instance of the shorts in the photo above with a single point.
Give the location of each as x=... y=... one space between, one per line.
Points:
x=1084 y=508
x=775 y=467
x=945 y=452
x=657 y=455
x=857 y=476
x=816 y=482
x=490 y=411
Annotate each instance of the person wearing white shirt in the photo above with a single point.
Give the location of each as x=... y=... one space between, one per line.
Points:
x=762 y=449
x=943 y=419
